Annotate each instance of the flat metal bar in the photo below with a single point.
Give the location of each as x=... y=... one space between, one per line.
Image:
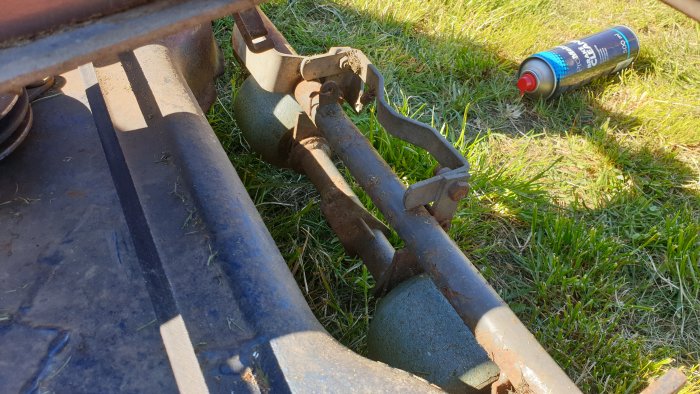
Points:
x=507 y=341
x=21 y=18
x=57 y=53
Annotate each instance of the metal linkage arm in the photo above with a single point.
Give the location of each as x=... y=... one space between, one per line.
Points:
x=279 y=69
x=320 y=84
x=449 y=185
x=507 y=341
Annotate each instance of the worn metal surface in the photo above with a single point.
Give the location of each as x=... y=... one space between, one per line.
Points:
x=358 y=230
x=7 y=102
x=197 y=56
x=36 y=89
x=404 y=265
x=415 y=328
x=277 y=69
x=15 y=113
x=20 y=19
x=105 y=37
x=134 y=260
x=507 y=341
x=252 y=28
x=670 y=383
x=266 y=120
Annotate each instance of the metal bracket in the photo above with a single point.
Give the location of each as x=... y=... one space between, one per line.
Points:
x=448 y=186
x=253 y=30
x=360 y=83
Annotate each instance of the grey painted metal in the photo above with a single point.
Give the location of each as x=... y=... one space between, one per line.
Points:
x=103 y=38
x=415 y=328
x=266 y=120
x=81 y=317
x=511 y=346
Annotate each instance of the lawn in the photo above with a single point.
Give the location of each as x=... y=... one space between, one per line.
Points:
x=585 y=210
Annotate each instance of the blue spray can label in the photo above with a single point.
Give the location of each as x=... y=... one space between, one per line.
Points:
x=552 y=72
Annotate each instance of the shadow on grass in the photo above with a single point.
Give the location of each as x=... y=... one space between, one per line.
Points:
x=573 y=274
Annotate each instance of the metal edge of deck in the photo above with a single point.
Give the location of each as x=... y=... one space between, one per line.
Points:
x=75 y=45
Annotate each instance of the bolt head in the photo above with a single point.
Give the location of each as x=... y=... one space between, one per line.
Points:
x=458 y=190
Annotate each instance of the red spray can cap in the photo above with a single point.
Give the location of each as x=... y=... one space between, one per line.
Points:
x=527 y=83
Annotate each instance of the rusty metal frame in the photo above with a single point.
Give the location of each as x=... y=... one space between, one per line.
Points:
x=524 y=363
x=279 y=69
x=507 y=341
x=314 y=81
x=72 y=46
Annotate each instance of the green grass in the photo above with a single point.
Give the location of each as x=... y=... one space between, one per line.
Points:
x=585 y=210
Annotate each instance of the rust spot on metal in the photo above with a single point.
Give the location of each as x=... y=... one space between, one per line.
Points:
x=75 y=193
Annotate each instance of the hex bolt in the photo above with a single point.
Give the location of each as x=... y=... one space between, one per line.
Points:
x=458 y=190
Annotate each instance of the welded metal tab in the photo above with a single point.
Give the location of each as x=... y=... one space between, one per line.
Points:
x=253 y=30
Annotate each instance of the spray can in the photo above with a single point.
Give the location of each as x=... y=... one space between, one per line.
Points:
x=549 y=73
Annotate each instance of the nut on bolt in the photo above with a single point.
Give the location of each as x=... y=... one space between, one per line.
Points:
x=458 y=190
